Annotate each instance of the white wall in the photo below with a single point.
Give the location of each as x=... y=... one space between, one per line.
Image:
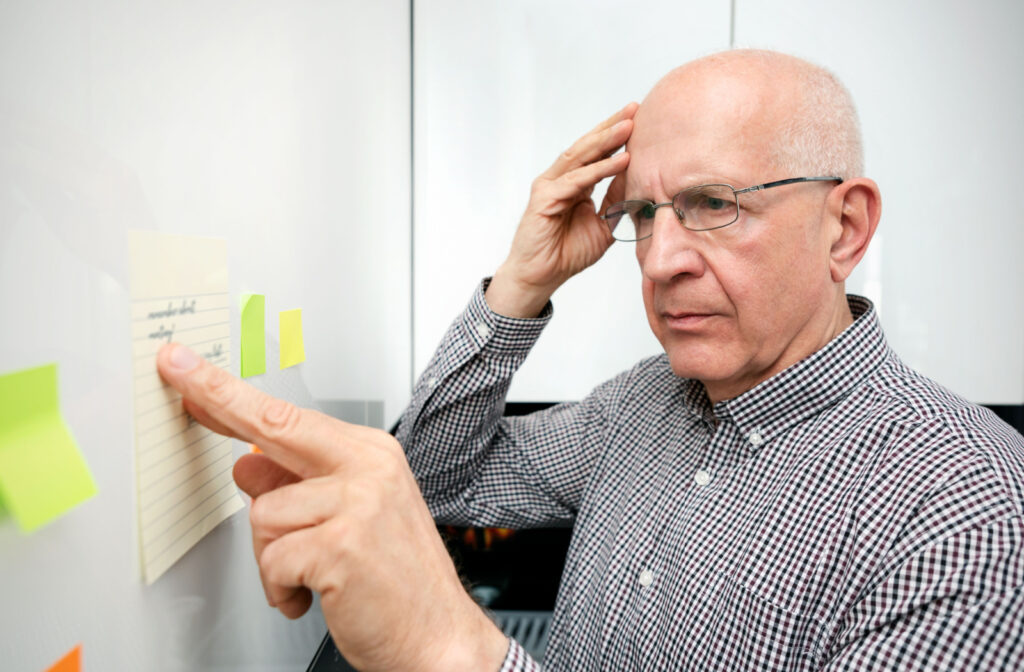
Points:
x=282 y=127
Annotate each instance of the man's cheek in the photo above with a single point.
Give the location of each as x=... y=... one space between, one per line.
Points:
x=653 y=319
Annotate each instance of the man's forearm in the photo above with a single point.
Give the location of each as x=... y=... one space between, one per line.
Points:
x=450 y=431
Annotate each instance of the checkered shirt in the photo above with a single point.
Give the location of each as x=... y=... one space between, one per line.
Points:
x=846 y=514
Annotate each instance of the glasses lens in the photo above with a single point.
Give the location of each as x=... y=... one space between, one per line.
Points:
x=708 y=206
x=630 y=220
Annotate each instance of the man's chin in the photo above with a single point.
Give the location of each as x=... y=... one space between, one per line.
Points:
x=692 y=369
x=700 y=366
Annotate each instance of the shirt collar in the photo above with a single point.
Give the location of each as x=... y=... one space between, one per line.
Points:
x=808 y=387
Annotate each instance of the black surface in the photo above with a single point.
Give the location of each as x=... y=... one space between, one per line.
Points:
x=327 y=658
x=1011 y=415
x=519 y=572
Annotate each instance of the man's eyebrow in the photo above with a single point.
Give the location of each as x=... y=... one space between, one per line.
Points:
x=687 y=183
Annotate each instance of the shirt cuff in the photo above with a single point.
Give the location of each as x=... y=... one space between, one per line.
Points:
x=518 y=660
x=500 y=334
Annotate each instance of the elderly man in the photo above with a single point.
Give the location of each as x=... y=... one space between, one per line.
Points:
x=777 y=491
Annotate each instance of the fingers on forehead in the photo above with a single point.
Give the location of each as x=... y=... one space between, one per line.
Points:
x=599 y=144
x=625 y=113
x=593 y=173
x=602 y=140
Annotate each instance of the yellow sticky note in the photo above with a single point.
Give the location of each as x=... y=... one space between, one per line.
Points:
x=293 y=350
x=42 y=472
x=72 y=662
x=253 y=342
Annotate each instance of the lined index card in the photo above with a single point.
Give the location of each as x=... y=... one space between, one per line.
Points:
x=183 y=470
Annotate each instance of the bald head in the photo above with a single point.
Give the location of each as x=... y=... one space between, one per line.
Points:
x=794 y=114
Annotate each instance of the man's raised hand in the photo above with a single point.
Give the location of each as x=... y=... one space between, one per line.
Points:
x=561 y=233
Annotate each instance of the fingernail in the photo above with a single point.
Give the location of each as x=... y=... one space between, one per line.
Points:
x=184 y=359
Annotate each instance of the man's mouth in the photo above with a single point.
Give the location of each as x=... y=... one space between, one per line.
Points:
x=685 y=320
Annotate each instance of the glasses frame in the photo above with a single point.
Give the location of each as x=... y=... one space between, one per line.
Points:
x=736 y=194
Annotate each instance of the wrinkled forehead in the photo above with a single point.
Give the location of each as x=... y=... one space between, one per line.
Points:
x=702 y=123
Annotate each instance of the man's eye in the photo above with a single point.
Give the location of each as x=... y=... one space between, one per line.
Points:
x=712 y=203
x=646 y=212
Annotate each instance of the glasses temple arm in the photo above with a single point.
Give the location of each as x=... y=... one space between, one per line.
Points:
x=792 y=180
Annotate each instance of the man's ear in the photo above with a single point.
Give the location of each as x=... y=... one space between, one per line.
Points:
x=854 y=207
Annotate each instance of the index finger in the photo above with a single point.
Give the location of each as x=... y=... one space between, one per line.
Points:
x=588 y=147
x=304 y=442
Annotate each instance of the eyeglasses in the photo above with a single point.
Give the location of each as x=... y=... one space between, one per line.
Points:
x=701 y=208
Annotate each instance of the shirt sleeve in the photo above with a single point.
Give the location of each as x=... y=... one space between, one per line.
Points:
x=476 y=467
x=518 y=660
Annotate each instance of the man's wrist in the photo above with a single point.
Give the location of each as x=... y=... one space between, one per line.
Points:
x=483 y=647
x=511 y=298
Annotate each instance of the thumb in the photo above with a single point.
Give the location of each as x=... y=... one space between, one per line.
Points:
x=616 y=191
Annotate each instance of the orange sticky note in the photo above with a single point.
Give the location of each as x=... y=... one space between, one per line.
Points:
x=72 y=662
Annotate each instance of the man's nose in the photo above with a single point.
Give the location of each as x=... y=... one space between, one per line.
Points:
x=671 y=250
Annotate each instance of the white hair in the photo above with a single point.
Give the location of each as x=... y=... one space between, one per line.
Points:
x=822 y=135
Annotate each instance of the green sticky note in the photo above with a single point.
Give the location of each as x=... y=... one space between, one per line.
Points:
x=254 y=345
x=42 y=471
x=293 y=350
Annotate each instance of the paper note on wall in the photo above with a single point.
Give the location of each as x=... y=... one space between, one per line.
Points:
x=182 y=470
x=42 y=472
x=293 y=350
x=253 y=339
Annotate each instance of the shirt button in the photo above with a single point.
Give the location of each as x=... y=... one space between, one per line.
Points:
x=646 y=578
x=431 y=382
x=483 y=330
x=755 y=439
x=702 y=478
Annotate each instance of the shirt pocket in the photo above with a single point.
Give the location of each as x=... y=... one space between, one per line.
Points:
x=756 y=634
